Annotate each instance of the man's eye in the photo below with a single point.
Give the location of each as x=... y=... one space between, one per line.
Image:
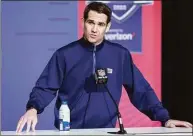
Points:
x=101 y=24
x=89 y=22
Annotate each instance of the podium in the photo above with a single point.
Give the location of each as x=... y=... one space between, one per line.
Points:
x=104 y=131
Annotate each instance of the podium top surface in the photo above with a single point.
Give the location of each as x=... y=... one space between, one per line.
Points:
x=104 y=131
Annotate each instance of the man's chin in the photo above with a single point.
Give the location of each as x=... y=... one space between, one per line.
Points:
x=92 y=41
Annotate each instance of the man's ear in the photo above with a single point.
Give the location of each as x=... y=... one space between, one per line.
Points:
x=82 y=22
x=108 y=27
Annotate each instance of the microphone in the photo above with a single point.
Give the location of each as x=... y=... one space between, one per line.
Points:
x=101 y=77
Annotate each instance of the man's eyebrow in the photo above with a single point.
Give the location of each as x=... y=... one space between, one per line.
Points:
x=90 y=20
x=98 y=22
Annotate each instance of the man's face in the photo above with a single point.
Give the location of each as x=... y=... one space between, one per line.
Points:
x=95 y=27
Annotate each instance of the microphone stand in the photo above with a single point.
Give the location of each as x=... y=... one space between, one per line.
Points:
x=102 y=78
x=122 y=130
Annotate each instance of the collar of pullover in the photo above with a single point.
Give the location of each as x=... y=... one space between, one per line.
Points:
x=90 y=46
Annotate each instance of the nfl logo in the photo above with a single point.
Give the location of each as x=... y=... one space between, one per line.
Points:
x=101 y=72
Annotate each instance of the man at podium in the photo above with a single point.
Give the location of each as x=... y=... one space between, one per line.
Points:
x=71 y=76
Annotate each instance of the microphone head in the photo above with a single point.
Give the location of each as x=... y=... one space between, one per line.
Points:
x=101 y=76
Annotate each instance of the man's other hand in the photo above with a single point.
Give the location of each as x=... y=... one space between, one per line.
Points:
x=177 y=123
x=29 y=118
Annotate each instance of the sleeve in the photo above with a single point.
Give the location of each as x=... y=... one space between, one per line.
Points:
x=141 y=94
x=47 y=84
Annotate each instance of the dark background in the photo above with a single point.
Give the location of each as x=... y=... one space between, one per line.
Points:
x=177 y=58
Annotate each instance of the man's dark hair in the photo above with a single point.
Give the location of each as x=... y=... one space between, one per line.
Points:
x=99 y=7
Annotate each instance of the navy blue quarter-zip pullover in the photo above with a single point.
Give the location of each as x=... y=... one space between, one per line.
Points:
x=69 y=73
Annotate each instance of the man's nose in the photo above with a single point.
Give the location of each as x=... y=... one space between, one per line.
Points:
x=94 y=28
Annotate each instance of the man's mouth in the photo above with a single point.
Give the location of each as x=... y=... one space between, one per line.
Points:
x=92 y=36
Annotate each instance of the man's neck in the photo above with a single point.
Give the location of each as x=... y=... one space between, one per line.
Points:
x=95 y=44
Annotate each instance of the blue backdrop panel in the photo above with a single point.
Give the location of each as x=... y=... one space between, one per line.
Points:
x=31 y=32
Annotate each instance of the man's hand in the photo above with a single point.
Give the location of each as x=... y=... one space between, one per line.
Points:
x=30 y=117
x=177 y=123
